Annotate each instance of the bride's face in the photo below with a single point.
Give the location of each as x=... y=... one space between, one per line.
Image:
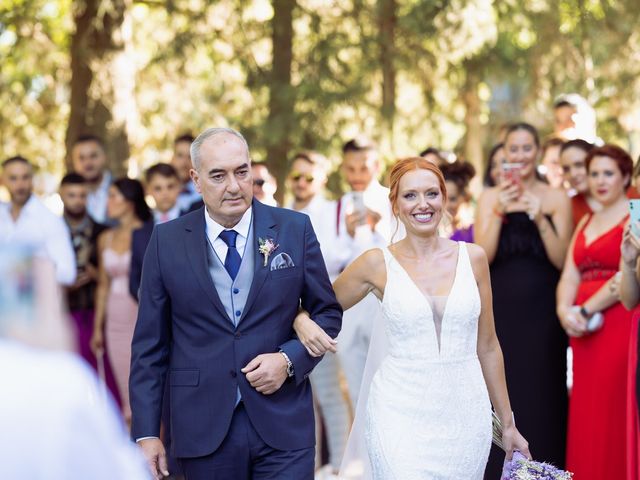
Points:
x=420 y=201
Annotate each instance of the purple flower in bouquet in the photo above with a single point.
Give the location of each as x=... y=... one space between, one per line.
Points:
x=521 y=468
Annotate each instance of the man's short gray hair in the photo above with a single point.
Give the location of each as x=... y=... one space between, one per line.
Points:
x=212 y=132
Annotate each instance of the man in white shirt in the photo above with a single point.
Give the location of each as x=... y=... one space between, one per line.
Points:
x=365 y=223
x=25 y=220
x=307 y=179
x=89 y=159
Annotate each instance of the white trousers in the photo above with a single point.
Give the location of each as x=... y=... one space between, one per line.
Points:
x=332 y=400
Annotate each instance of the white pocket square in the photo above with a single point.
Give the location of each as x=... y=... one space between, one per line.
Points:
x=281 y=261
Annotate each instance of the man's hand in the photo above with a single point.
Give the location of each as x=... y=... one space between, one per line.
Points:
x=267 y=372
x=156 y=456
x=84 y=276
x=353 y=220
x=373 y=218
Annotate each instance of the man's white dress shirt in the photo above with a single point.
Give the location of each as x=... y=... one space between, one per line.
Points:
x=97 y=199
x=324 y=216
x=47 y=233
x=214 y=229
x=171 y=214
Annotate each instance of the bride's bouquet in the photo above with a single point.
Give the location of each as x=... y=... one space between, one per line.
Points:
x=521 y=468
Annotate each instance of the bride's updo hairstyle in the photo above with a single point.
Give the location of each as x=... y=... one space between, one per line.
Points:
x=407 y=165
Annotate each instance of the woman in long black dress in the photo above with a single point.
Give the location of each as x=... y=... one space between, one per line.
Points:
x=525 y=227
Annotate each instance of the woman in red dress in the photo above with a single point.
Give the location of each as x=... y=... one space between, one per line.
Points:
x=597 y=440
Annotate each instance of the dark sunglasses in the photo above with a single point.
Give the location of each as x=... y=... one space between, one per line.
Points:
x=295 y=176
x=259 y=182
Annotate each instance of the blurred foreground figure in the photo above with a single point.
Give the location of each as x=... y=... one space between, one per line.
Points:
x=57 y=422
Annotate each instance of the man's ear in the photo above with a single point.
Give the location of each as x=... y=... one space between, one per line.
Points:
x=195 y=178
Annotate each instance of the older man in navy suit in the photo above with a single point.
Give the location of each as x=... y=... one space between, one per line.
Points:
x=220 y=289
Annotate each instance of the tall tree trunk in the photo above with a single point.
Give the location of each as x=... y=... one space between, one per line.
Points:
x=474 y=137
x=281 y=116
x=102 y=79
x=387 y=25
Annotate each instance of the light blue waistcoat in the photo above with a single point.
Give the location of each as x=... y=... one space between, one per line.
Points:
x=233 y=294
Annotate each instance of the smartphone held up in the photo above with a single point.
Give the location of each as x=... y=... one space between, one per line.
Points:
x=634 y=216
x=511 y=172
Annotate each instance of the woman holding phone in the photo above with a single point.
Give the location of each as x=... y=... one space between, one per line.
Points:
x=524 y=226
x=599 y=326
x=630 y=298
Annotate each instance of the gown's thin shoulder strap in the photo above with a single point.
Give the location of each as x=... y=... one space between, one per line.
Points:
x=464 y=261
x=387 y=256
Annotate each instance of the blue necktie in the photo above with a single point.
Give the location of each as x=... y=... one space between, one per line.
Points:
x=232 y=260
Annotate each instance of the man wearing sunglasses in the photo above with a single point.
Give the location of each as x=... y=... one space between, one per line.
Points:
x=264 y=185
x=307 y=180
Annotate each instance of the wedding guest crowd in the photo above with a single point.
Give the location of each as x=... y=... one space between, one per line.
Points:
x=553 y=218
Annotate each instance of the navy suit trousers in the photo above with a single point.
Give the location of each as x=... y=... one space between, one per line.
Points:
x=243 y=455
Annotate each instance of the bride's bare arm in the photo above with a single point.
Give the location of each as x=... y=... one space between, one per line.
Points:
x=366 y=274
x=490 y=356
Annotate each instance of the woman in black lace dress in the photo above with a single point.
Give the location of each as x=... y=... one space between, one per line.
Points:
x=525 y=227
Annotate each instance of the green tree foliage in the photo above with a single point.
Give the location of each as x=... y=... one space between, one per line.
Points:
x=34 y=74
x=410 y=73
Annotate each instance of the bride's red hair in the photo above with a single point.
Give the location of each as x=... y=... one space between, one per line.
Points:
x=407 y=165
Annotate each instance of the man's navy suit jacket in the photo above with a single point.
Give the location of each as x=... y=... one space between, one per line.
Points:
x=184 y=336
x=139 y=241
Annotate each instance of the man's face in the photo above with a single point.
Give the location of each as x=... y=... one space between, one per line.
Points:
x=165 y=191
x=74 y=198
x=563 y=120
x=305 y=180
x=264 y=185
x=89 y=160
x=181 y=160
x=360 y=169
x=17 y=177
x=224 y=178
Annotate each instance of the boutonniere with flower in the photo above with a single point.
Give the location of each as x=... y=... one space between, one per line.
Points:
x=267 y=247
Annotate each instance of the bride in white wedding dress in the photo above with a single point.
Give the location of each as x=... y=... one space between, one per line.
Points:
x=426 y=412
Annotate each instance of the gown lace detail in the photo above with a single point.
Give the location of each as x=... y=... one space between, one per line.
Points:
x=428 y=414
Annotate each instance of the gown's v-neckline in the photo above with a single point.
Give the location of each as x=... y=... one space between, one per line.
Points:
x=426 y=298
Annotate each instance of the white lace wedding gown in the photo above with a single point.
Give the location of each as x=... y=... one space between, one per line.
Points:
x=428 y=414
